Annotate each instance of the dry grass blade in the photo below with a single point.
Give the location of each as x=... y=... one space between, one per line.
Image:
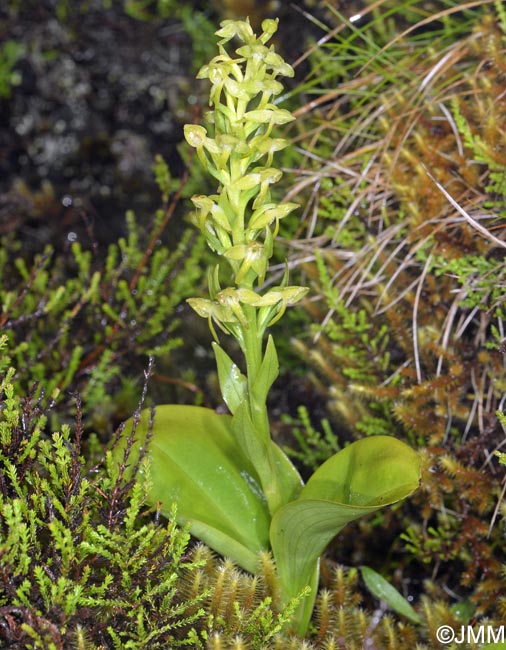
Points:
x=473 y=223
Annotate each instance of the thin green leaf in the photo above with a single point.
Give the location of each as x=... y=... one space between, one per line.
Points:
x=383 y=590
x=269 y=370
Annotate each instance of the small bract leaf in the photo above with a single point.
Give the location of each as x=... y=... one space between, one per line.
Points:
x=273 y=115
x=268 y=145
x=241 y=89
x=237 y=252
x=247 y=182
x=233 y=384
x=269 y=370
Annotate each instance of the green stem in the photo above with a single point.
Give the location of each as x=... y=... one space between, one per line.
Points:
x=265 y=466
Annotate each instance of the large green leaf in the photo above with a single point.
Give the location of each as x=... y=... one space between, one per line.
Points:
x=197 y=464
x=363 y=477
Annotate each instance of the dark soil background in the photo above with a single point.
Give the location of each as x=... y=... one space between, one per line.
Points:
x=99 y=96
x=99 y=93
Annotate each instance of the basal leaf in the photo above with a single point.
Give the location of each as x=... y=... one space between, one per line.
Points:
x=374 y=471
x=197 y=464
x=363 y=477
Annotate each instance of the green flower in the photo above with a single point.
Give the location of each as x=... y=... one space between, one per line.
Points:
x=252 y=256
x=274 y=303
x=268 y=213
x=235 y=28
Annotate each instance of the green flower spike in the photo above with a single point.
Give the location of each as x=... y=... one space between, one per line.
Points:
x=240 y=222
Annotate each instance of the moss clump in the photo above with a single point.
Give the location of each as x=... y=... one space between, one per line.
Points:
x=84 y=564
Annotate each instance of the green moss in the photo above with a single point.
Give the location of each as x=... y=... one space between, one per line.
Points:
x=10 y=52
x=82 y=561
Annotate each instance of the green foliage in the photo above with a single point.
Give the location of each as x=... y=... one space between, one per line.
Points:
x=502 y=419
x=163 y=178
x=242 y=611
x=10 y=52
x=383 y=590
x=483 y=281
x=83 y=564
x=72 y=318
x=313 y=447
x=352 y=333
x=407 y=277
x=403 y=172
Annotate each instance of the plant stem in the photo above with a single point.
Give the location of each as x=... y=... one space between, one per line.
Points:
x=252 y=348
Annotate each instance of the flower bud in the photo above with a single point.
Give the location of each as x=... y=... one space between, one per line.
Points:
x=195 y=134
x=231 y=28
x=269 y=27
x=272 y=115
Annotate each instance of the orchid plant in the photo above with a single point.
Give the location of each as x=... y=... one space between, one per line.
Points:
x=232 y=484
